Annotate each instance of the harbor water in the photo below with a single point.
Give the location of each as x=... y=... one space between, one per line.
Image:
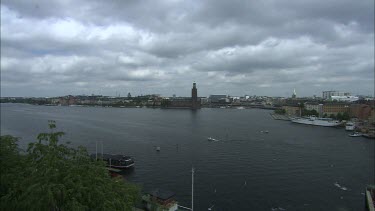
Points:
x=292 y=167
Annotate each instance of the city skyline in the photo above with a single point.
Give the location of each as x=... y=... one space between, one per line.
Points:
x=265 y=49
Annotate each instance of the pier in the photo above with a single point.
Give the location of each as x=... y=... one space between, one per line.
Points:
x=280 y=117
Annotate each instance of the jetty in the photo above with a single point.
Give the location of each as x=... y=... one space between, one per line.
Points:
x=280 y=117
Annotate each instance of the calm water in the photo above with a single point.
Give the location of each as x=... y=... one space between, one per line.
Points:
x=293 y=167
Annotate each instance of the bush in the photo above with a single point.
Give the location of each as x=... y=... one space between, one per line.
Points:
x=280 y=111
x=53 y=176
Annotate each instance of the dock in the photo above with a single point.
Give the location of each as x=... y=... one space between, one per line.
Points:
x=280 y=117
x=370 y=196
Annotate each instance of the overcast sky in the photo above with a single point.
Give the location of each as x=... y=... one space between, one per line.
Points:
x=268 y=47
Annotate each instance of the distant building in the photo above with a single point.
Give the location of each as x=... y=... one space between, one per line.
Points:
x=346 y=98
x=204 y=100
x=328 y=94
x=192 y=102
x=218 y=98
x=194 y=97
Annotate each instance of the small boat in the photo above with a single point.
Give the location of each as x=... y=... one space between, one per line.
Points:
x=211 y=139
x=350 y=126
x=356 y=134
x=158 y=149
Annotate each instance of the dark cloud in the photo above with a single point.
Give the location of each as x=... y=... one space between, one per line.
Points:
x=235 y=47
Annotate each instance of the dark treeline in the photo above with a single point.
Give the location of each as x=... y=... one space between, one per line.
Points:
x=54 y=176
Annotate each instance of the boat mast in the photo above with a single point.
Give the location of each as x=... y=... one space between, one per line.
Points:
x=192 y=188
x=96 y=150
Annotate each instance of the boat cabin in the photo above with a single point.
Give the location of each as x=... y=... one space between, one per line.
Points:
x=116 y=161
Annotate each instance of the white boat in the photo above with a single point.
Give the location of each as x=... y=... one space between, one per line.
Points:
x=349 y=126
x=356 y=134
x=211 y=139
x=312 y=120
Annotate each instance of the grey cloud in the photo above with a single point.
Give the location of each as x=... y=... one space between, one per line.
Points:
x=165 y=45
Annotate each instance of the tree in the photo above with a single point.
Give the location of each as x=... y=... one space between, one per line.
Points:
x=332 y=116
x=345 y=116
x=165 y=103
x=53 y=176
x=280 y=111
x=309 y=112
x=339 y=116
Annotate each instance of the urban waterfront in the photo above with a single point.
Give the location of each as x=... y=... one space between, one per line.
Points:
x=293 y=167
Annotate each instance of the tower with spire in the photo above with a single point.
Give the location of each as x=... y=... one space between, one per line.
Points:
x=294 y=94
x=194 y=97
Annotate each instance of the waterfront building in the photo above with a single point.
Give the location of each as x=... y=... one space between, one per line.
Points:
x=292 y=110
x=194 y=97
x=335 y=108
x=204 y=100
x=218 y=98
x=371 y=118
x=314 y=106
x=192 y=102
x=360 y=111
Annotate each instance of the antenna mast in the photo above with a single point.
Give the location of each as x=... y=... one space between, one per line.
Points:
x=192 y=188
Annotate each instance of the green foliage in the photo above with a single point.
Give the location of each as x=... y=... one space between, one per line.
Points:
x=53 y=176
x=309 y=112
x=332 y=116
x=339 y=116
x=280 y=111
x=345 y=116
x=165 y=103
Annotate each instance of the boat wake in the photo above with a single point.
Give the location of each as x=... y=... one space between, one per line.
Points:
x=277 y=208
x=340 y=186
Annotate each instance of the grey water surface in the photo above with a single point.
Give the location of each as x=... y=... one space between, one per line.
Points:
x=293 y=167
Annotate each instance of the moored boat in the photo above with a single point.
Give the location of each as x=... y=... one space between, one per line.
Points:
x=312 y=120
x=356 y=134
x=349 y=126
x=117 y=161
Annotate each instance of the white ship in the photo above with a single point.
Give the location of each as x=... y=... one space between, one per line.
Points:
x=350 y=126
x=312 y=120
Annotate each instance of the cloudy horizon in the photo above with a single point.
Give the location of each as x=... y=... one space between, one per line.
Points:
x=62 y=47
